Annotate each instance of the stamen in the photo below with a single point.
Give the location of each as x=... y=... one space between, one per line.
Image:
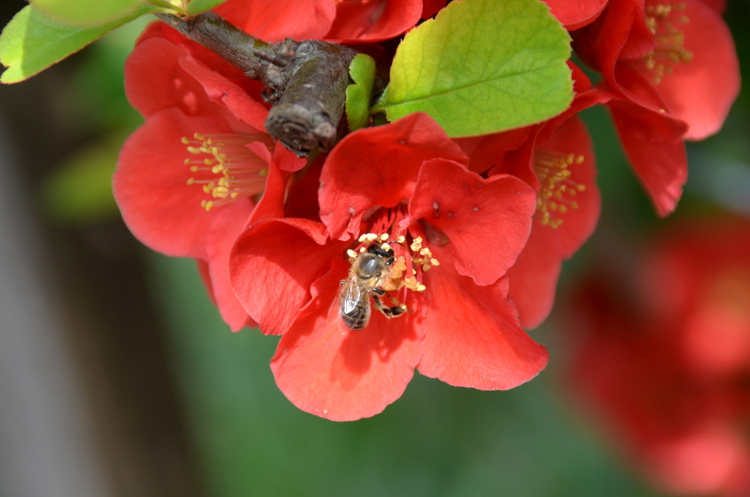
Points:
x=557 y=189
x=231 y=171
x=415 y=261
x=663 y=20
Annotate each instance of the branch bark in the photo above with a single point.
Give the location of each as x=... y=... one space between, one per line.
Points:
x=305 y=82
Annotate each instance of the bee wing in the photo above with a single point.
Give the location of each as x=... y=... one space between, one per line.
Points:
x=351 y=294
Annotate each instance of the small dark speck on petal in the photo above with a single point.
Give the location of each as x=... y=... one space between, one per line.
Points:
x=466 y=186
x=450 y=214
x=403 y=142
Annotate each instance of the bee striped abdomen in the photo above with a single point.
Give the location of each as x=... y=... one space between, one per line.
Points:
x=357 y=316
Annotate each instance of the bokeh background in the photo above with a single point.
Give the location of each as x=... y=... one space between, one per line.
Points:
x=118 y=378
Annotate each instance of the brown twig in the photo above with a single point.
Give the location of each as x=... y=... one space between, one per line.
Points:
x=306 y=81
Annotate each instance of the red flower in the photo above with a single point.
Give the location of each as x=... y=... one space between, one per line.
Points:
x=674 y=70
x=333 y=20
x=557 y=159
x=186 y=181
x=667 y=364
x=453 y=236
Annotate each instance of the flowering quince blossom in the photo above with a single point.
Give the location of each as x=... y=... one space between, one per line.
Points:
x=667 y=365
x=557 y=159
x=675 y=74
x=454 y=234
x=187 y=180
x=331 y=20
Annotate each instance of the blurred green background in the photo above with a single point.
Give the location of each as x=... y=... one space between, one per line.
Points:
x=182 y=406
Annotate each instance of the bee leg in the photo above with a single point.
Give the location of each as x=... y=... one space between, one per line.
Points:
x=388 y=312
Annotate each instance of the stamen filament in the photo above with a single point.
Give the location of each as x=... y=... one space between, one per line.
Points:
x=237 y=172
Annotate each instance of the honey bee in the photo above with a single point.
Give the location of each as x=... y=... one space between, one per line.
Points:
x=366 y=274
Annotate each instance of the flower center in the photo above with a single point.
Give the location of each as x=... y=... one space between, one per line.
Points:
x=557 y=191
x=663 y=19
x=405 y=270
x=411 y=257
x=225 y=168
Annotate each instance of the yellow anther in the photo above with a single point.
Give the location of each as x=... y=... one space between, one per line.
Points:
x=556 y=186
x=231 y=170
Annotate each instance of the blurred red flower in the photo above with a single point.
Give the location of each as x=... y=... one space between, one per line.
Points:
x=187 y=180
x=454 y=235
x=673 y=69
x=667 y=363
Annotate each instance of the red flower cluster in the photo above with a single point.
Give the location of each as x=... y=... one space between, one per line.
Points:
x=673 y=74
x=667 y=363
x=399 y=249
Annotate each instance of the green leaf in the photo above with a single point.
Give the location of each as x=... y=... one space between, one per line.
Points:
x=80 y=13
x=483 y=66
x=362 y=72
x=198 y=6
x=32 y=42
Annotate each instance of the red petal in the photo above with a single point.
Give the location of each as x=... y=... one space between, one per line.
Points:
x=374 y=20
x=150 y=184
x=574 y=14
x=154 y=80
x=533 y=279
x=486 y=151
x=226 y=227
x=303 y=194
x=486 y=220
x=718 y=5
x=653 y=143
x=431 y=7
x=572 y=137
x=378 y=167
x=286 y=160
x=274 y=263
x=702 y=91
x=600 y=43
x=274 y=20
x=223 y=91
x=271 y=203
x=534 y=276
x=581 y=82
x=327 y=369
x=472 y=337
